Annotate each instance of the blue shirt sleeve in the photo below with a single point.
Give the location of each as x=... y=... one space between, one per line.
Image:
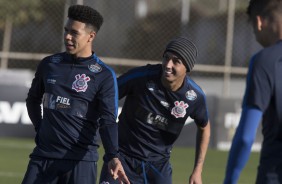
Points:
x=242 y=144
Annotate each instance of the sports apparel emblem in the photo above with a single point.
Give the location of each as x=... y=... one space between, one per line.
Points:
x=96 y=68
x=179 y=110
x=56 y=59
x=151 y=85
x=80 y=83
x=191 y=95
x=165 y=104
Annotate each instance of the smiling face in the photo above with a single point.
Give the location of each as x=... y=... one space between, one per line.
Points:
x=78 y=38
x=174 y=71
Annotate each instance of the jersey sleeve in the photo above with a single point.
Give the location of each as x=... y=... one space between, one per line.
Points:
x=124 y=84
x=259 y=84
x=202 y=117
x=200 y=114
x=256 y=99
x=108 y=108
x=242 y=144
x=34 y=96
x=128 y=80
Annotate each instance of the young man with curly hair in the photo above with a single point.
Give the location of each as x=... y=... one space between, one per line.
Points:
x=79 y=97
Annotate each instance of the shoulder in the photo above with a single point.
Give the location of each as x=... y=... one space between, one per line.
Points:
x=194 y=86
x=143 y=72
x=147 y=70
x=268 y=56
x=55 y=58
x=99 y=66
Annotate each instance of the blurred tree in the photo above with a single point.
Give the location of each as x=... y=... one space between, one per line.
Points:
x=20 y=12
x=16 y=12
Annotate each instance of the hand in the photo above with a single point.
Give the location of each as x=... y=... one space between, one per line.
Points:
x=195 y=178
x=117 y=172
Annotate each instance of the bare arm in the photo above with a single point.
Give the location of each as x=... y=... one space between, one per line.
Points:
x=202 y=142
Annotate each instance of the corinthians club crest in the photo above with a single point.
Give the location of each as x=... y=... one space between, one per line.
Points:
x=179 y=110
x=80 y=83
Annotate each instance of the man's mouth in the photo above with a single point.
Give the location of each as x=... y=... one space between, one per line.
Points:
x=69 y=46
x=168 y=72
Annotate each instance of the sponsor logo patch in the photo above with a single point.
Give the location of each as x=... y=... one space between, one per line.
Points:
x=62 y=102
x=179 y=110
x=157 y=120
x=80 y=83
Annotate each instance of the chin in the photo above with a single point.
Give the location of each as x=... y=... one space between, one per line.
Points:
x=168 y=79
x=70 y=52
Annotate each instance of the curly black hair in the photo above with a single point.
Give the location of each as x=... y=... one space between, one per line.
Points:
x=86 y=15
x=263 y=7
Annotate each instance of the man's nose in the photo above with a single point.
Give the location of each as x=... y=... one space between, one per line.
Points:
x=169 y=63
x=67 y=36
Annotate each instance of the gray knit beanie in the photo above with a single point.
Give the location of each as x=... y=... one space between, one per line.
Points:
x=186 y=49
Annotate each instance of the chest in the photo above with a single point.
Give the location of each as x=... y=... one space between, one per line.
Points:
x=176 y=106
x=69 y=81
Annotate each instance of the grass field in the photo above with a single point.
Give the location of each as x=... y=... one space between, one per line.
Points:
x=14 y=158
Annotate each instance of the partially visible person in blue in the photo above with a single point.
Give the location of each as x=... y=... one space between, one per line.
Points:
x=263 y=98
x=159 y=99
x=79 y=96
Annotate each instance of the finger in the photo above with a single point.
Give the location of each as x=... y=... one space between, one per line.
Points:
x=123 y=177
x=114 y=175
x=116 y=171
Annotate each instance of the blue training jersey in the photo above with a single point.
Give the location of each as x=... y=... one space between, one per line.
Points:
x=262 y=99
x=152 y=116
x=263 y=91
x=78 y=97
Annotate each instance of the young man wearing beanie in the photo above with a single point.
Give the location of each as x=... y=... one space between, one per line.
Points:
x=159 y=99
x=79 y=96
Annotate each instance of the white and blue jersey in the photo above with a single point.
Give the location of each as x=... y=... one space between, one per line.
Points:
x=78 y=97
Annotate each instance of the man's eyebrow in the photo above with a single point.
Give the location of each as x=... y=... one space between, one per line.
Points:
x=71 y=30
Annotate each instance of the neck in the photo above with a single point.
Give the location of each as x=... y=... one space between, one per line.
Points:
x=172 y=85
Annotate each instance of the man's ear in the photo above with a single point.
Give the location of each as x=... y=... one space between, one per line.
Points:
x=92 y=36
x=259 y=21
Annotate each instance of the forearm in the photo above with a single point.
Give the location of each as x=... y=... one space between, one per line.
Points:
x=109 y=137
x=35 y=112
x=34 y=98
x=242 y=144
x=202 y=142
